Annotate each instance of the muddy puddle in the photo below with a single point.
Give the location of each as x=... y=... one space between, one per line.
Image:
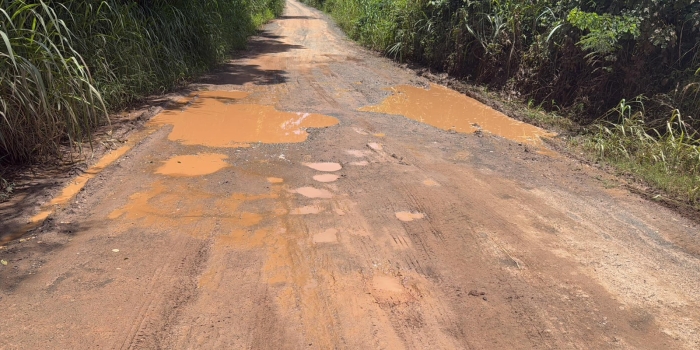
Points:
x=193 y=165
x=163 y=204
x=326 y=177
x=450 y=110
x=324 y=166
x=312 y=192
x=72 y=188
x=409 y=216
x=217 y=119
x=79 y=182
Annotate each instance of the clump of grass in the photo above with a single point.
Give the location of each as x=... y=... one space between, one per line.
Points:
x=667 y=157
x=581 y=57
x=6 y=189
x=576 y=58
x=46 y=91
x=64 y=64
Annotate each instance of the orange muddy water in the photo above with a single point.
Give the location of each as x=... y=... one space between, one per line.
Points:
x=447 y=109
x=216 y=120
x=193 y=165
x=76 y=185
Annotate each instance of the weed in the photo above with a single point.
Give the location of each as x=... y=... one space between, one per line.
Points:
x=580 y=57
x=6 y=189
x=668 y=158
x=576 y=58
x=64 y=64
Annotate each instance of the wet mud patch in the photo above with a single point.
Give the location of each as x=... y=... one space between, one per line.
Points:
x=329 y=167
x=431 y=183
x=312 y=192
x=216 y=119
x=193 y=165
x=450 y=110
x=326 y=177
x=306 y=210
x=71 y=189
x=406 y=216
x=275 y=180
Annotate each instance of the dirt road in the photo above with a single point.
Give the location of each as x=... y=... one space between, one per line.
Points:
x=287 y=205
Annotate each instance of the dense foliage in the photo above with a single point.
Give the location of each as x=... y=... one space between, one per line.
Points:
x=582 y=59
x=64 y=64
x=584 y=56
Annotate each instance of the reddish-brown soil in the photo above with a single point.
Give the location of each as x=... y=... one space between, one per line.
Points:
x=287 y=218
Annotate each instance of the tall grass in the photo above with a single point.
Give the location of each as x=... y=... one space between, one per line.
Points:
x=579 y=57
x=46 y=91
x=582 y=56
x=667 y=157
x=64 y=64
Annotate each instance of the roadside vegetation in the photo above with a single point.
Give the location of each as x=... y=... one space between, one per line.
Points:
x=65 y=64
x=584 y=60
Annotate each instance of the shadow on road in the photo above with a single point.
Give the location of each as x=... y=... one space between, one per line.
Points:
x=238 y=73
x=21 y=258
x=32 y=192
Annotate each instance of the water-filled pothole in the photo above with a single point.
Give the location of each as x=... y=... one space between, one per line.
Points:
x=216 y=119
x=450 y=110
x=193 y=165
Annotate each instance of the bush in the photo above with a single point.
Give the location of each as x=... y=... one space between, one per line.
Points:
x=64 y=64
x=579 y=57
x=583 y=56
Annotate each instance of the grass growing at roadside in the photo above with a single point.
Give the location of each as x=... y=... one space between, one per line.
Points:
x=46 y=91
x=572 y=61
x=667 y=158
x=64 y=64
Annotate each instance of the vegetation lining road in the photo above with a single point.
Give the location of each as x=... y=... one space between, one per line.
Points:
x=65 y=64
x=585 y=60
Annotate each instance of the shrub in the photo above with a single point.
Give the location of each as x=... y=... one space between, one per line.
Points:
x=64 y=64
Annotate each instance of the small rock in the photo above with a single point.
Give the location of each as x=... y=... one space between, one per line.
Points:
x=476 y=293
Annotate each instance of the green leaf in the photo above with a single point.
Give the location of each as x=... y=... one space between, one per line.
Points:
x=9 y=47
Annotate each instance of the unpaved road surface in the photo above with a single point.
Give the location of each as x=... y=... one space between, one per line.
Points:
x=219 y=230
